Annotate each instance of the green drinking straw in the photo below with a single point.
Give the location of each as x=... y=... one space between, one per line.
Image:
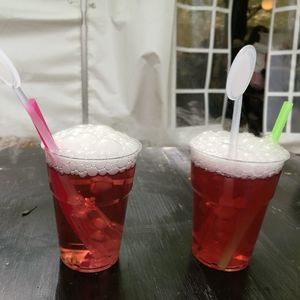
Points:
x=281 y=120
x=248 y=219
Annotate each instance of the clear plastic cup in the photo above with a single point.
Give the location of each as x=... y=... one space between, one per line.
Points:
x=90 y=209
x=228 y=210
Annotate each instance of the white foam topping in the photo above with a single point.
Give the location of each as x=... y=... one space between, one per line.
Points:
x=256 y=157
x=88 y=150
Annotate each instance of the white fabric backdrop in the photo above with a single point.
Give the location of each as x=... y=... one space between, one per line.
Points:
x=42 y=37
x=130 y=44
x=129 y=60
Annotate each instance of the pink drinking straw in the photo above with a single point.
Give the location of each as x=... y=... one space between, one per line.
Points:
x=81 y=226
x=30 y=105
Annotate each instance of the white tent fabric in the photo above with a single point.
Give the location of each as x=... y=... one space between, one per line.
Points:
x=43 y=40
x=130 y=45
x=129 y=52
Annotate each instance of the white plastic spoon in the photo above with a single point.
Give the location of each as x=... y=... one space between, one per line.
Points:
x=12 y=80
x=238 y=79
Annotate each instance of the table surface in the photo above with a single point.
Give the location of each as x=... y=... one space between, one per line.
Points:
x=155 y=259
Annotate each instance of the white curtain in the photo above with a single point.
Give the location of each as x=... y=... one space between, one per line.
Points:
x=42 y=37
x=129 y=51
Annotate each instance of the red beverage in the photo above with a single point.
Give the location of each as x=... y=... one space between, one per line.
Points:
x=90 y=175
x=90 y=214
x=227 y=216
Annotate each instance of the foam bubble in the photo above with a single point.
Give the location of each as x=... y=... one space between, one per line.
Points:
x=256 y=157
x=88 y=150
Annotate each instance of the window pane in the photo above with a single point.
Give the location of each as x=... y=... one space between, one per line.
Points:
x=297 y=78
x=280 y=73
x=221 y=30
x=219 y=71
x=296 y=115
x=274 y=105
x=191 y=70
x=216 y=102
x=196 y=2
x=285 y=2
x=283 y=34
x=193 y=28
x=190 y=110
x=223 y=3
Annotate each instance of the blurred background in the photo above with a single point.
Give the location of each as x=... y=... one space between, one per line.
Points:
x=154 y=69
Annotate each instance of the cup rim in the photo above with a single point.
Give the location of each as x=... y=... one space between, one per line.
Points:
x=236 y=160
x=139 y=144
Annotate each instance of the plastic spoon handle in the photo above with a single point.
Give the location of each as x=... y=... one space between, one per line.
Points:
x=13 y=81
x=235 y=126
x=40 y=124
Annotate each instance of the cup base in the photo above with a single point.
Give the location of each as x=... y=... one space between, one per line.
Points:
x=217 y=267
x=89 y=270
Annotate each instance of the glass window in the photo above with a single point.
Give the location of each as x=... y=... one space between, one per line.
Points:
x=297 y=77
x=193 y=31
x=280 y=73
x=295 y=126
x=190 y=110
x=196 y=2
x=191 y=70
x=299 y=38
x=283 y=33
x=221 y=31
x=223 y=3
x=193 y=28
x=216 y=102
x=280 y=3
x=274 y=105
x=218 y=71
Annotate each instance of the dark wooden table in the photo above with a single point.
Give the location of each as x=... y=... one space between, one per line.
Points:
x=155 y=260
